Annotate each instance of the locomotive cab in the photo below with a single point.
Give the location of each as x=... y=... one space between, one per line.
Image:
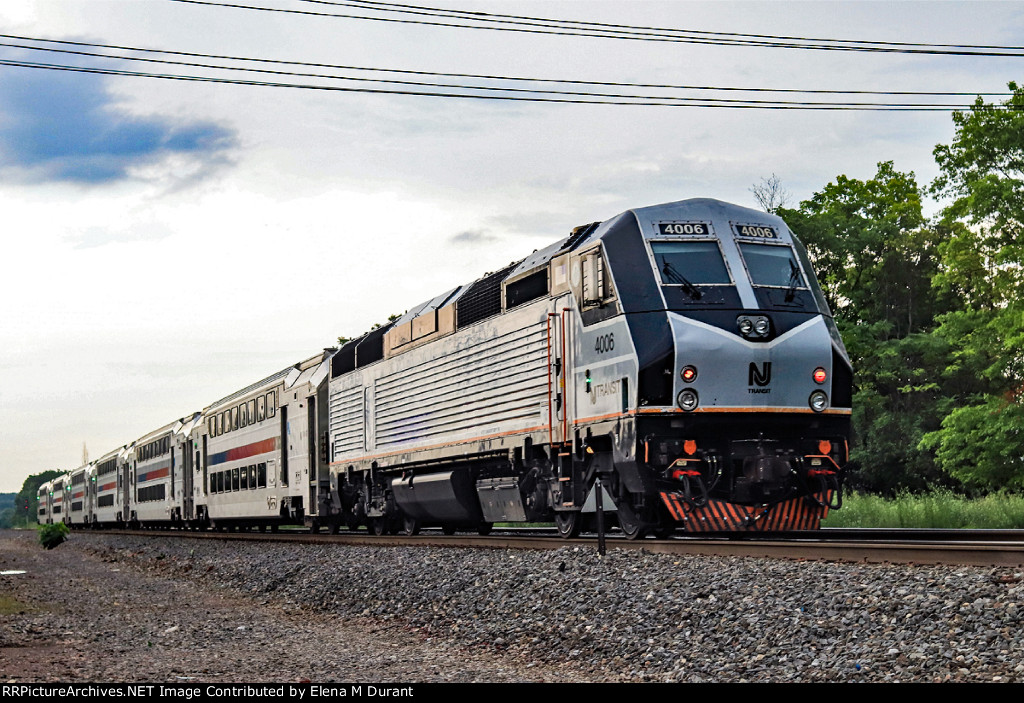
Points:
x=743 y=383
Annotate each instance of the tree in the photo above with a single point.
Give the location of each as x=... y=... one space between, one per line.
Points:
x=981 y=440
x=982 y=172
x=983 y=169
x=875 y=257
x=874 y=254
x=29 y=495
x=770 y=194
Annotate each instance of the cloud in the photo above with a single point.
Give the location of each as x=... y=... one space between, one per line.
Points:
x=66 y=126
x=472 y=237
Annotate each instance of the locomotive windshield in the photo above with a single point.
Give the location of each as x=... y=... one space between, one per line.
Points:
x=693 y=274
x=770 y=265
x=690 y=263
x=778 y=279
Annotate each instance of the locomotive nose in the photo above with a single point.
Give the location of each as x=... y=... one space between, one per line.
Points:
x=730 y=366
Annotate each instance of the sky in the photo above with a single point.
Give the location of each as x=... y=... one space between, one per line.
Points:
x=169 y=242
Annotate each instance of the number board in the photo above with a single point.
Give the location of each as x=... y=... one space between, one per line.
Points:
x=755 y=231
x=691 y=229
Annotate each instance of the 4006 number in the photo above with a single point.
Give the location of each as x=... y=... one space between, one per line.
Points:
x=678 y=228
x=604 y=343
x=758 y=231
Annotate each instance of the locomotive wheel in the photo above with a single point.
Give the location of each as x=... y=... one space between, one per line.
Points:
x=484 y=528
x=630 y=523
x=411 y=526
x=378 y=526
x=568 y=524
x=448 y=529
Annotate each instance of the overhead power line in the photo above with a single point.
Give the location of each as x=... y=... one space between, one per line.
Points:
x=576 y=28
x=604 y=26
x=485 y=93
x=494 y=82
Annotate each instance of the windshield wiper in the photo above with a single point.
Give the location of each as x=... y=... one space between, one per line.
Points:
x=794 y=281
x=672 y=274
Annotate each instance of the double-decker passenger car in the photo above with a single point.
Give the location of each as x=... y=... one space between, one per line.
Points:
x=79 y=498
x=260 y=462
x=58 y=499
x=152 y=479
x=111 y=479
x=43 y=513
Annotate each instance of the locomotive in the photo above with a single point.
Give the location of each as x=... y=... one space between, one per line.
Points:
x=676 y=366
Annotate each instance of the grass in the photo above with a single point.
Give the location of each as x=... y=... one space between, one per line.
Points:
x=939 y=509
x=12 y=606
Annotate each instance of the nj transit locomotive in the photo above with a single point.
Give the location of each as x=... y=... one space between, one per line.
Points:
x=677 y=363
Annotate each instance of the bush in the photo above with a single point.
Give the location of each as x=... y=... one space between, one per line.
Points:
x=51 y=536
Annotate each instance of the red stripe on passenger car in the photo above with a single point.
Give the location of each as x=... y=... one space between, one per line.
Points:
x=155 y=474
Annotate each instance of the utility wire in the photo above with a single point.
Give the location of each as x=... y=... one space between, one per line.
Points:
x=500 y=18
x=580 y=29
x=192 y=64
x=649 y=102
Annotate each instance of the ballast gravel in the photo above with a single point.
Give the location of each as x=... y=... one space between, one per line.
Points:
x=113 y=608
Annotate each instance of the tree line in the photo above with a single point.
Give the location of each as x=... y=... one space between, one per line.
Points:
x=24 y=508
x=931 y=310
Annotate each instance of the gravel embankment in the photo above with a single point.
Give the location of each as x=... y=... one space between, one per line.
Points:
x=109 y=608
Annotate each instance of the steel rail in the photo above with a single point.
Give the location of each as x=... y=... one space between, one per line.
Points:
x=974 y=547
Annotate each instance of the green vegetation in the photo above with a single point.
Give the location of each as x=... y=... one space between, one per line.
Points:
x=51 y=536
x=23 y=509
x=7 y=510
x=9 y=605
x=937 y=509
x=932 y=312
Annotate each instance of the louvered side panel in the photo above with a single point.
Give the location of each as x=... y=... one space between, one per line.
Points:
x=491 y=386
x=347 y=422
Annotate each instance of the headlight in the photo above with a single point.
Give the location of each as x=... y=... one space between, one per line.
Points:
x=754 y=326
x=687 y=399
x=818 y=401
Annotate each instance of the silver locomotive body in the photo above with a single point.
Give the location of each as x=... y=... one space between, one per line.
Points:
x=678 y=362
x=743 y=407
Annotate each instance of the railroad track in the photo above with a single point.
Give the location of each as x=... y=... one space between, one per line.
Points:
x=977 y=547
